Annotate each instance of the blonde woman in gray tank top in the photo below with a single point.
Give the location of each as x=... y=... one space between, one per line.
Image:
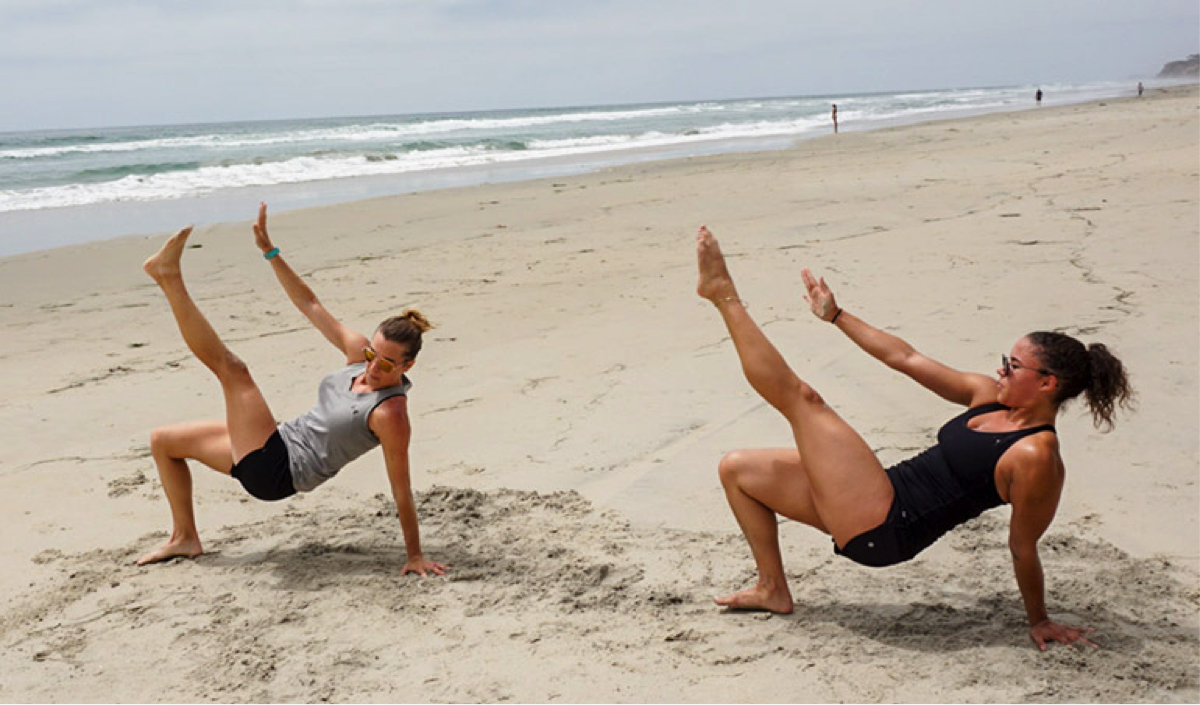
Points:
x=360 y=406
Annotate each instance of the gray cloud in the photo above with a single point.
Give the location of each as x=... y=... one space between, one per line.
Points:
x=65 y=63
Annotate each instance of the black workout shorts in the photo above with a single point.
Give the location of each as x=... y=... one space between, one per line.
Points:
x=885 y=545
x=265 y=473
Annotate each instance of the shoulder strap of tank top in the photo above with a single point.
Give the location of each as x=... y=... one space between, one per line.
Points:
x=400 y=390
x=997 y=406
x=985 y=409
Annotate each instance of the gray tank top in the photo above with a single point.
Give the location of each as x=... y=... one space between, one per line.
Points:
x=321 y=442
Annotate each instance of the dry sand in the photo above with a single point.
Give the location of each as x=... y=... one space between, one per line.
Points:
x=569 y=414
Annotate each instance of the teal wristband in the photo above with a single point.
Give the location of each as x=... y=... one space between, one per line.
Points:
x=270 y=254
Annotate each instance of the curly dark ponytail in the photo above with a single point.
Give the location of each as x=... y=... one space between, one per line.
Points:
x=1091 y=370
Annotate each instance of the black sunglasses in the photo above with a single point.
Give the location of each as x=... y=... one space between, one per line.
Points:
x=1008 y=367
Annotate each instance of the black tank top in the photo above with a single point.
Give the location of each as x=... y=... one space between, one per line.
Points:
x=953 y=481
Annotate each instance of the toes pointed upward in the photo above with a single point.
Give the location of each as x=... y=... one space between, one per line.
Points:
x=166 y=260
x=715 y=283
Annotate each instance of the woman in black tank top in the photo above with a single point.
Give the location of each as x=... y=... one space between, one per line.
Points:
x=1003 y=449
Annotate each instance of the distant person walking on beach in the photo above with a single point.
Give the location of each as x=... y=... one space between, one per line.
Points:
x=1002 y=450
x=1038 y=96
x=361 y=405
x=1141 y=88
x=833 y=114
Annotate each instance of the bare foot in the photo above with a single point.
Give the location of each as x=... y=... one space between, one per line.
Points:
x=165 y=262
x=187 y=548
x=758 y=598
x=715 y=283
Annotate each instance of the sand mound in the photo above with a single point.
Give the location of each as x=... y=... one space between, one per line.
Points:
x=549 y=599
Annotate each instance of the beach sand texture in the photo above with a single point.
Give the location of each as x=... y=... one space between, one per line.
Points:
x=569 y=413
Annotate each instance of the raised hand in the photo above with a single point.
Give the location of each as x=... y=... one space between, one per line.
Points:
x=261 y=238
x=819 y=297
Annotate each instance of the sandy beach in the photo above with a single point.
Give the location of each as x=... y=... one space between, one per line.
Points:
x=570 y=410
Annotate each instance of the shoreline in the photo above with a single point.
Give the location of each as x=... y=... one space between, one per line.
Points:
x=112 y=219
x=570 y=410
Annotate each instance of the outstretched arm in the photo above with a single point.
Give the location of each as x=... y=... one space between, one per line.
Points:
x=390 y=423
x=964 y=388
x=1034 y=490
x=350 y=342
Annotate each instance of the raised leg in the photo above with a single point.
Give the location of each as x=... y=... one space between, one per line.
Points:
x=248 y=418
x=831 y=481
x=172 y=446
x=850 y=490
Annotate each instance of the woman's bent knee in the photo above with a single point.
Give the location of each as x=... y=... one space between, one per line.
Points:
x=158 y=438
x=186 y=440
x=733 y=465
x=165 y=440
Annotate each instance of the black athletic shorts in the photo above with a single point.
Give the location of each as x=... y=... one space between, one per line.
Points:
x=885 y=545
x=265 y=472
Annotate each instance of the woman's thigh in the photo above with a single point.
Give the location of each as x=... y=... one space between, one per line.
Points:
x=248 y=419
x=850 y=488
x=205 y=441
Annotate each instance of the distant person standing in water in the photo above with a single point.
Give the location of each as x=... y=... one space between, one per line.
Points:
x=1141 y=88
x=834 y=115
x=1038 y=96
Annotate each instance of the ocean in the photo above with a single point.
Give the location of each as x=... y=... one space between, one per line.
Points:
x=62 y=187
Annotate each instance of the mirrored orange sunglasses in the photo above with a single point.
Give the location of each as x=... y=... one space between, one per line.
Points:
x=385 y=365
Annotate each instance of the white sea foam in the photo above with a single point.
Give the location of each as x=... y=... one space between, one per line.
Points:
x=37 y=175
x=300 y=169
x=179 y=184
x=371 y=132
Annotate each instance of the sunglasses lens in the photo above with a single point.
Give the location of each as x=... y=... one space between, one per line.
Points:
x=385 y=366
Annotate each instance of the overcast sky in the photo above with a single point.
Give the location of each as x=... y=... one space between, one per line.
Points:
x=72 y=63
